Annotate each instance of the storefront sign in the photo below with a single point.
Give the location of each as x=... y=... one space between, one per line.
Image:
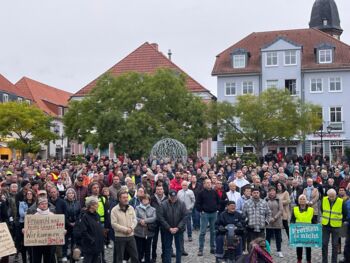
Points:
x=305 y=235
x=40 y=230
x=7 y=247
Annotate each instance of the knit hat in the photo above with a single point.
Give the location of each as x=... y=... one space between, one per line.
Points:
x=42 y=200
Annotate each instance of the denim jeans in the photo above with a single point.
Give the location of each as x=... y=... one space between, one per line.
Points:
x=188 y=224
x=168 y=240
x=196 y=217
x=277 y=233
x=205 y=219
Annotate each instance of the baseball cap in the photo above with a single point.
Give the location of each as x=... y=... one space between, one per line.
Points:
x=172 y=193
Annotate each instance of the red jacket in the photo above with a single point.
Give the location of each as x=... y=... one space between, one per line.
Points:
x=176 y=185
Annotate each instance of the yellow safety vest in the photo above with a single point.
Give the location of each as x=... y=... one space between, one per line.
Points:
x=334 y=215
x=101 y=208
x=303 y=217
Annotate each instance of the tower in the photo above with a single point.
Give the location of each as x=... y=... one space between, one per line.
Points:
x=325 y=17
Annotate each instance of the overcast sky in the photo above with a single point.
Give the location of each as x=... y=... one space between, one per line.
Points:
x=68 y=43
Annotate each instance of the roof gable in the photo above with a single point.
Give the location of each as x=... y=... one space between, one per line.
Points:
x=144 y=59
x=281 y=43
x=47 y=98
x=8 y=87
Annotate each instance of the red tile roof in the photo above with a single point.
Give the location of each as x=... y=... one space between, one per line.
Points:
x=144 y=59
x=47 y=98
x=307 y=38
x=8 y=87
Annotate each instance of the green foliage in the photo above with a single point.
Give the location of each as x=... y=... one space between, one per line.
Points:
x=134 y=111
x=273 y=115
x=27 y=125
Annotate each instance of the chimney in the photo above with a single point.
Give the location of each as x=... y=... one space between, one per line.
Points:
x=169 y=54
x=155 y=45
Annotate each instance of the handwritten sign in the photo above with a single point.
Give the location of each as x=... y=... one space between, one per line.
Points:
x=7 y=246
x=44 y=230
x=305 y=235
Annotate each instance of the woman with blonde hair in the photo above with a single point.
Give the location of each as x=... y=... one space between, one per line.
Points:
x=303 y=213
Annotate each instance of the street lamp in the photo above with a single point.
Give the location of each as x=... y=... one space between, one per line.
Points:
x=321 y=133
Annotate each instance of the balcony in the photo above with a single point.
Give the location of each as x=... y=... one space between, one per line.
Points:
x=336 y=126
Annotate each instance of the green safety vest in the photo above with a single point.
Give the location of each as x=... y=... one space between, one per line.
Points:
x=303 y=217
x=333 y=216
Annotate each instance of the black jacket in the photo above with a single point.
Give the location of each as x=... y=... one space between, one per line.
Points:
x=3 y=212
x=227 y=218
x=208 y=201
x=91 y=233
x=172 y=215
x=72 y=211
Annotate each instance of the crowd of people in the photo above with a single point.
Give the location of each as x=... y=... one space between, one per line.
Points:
x=142 y=207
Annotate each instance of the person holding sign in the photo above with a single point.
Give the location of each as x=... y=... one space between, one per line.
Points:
x=3 y=219
x=43 y=252
x=302 y=213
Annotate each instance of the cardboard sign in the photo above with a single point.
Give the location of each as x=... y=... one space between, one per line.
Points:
x=7 y=246
x=305 y=235
x=44 y=230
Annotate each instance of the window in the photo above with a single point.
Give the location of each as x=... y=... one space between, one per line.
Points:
x=239 y=61
x=248 y=149
x=335 y=114
x=230 y=149
x=271 y=59
x=290 y=57
x=325 y=56
x=28 y=101
x=247 y=87
x=291 y=86
x=5 y=97
x=230 y=89
x=271 y=84
x=60 y=111
x=19 y=99
x=316 y=85
x=334 y=84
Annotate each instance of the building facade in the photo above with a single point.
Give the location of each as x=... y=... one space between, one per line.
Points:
x=146 y=59
x=311 y=63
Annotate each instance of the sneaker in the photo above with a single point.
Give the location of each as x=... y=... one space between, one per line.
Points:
x=212 y=251
x=190 y=239
x=200 y=253
x=64 y=259
x=280 y=254
x=185 y=254
x=105 y=247
x=110 y=246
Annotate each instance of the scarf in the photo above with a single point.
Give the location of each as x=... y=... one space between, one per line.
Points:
x=258 y=253
x=43 y=212
x=309 y=192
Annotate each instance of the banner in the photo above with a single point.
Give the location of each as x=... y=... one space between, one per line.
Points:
x=305 y=235
x=44 y=230
x=7 y=246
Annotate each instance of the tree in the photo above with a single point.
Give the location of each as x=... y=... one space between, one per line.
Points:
x=27 y=125
x=133 y=111
x=274 y=115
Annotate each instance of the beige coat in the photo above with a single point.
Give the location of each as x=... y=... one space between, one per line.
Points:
x=315 y=196
x=121 y=221
x=285 y=199
x=276 y=208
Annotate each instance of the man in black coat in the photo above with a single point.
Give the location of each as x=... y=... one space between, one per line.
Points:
x=91 y=232
x=171 y=216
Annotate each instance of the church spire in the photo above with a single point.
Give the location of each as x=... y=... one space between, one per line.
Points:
x=325 y=17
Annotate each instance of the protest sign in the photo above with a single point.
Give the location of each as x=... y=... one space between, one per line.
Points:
x=44 y=230
x=305 y=235
x=7 y=246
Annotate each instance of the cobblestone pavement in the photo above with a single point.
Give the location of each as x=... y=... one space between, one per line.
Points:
x=192 y=249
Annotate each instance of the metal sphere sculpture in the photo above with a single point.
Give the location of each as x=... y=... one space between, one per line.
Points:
x=169 y=149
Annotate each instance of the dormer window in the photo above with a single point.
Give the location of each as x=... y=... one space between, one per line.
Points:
x=239 y=58
x=239 y=61
x=325 y=53
x=325 y=56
